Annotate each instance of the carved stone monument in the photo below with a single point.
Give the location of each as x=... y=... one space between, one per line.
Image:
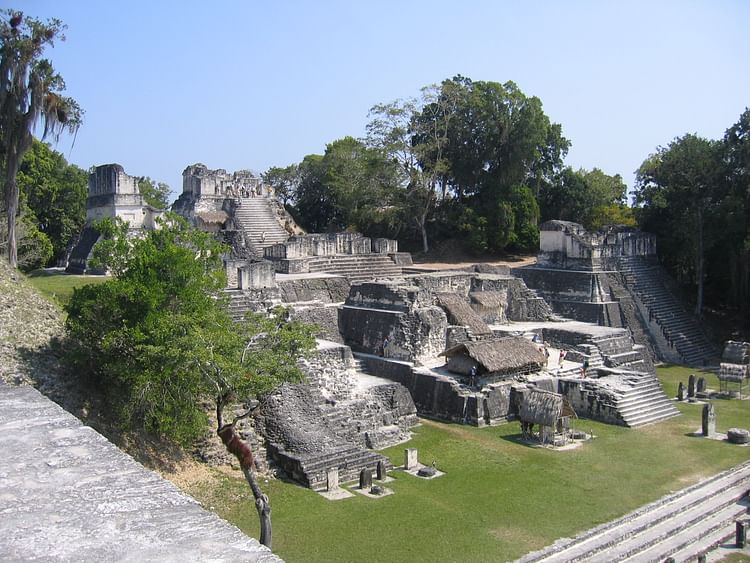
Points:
x=410 y=458
x=381 y=471
x=365 y=479
x=691 y=385
x=708 y=425
x=680 y=392
x=332 y=481
x=701 y=385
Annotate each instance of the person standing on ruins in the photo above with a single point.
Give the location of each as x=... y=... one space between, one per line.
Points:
x=385 y=347
x=562 y=357
x=473 y=376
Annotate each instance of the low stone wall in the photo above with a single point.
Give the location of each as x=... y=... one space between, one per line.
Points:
x=324 y=290
x=325 y=317
x=590 y=400
x=444 y=398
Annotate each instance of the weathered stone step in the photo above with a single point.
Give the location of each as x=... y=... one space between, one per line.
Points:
x=602 y=539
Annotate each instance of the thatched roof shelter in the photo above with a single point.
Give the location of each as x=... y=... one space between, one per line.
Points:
x=736 y=352
x=501 y=356
x=544 y=407
x=460 y=313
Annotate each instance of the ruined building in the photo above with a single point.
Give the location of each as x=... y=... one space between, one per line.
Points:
x=613 y=278
x=111 y=193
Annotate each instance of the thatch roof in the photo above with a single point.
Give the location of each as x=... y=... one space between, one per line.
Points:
x=512 y=354
x=541 y=407
x=736 y=352
x=460 y=313
x=489 y=299
x=208 y=217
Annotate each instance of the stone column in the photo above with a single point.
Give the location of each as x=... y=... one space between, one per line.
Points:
x=365 y=479
x=708 y=421
x=381 y=472
x=332 y=475
x=691 y=386
x=680 y=392
x=410 y=458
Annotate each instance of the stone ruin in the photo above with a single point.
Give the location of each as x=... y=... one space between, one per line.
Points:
x=396 y=342
x=612 y=278
x=111 y=193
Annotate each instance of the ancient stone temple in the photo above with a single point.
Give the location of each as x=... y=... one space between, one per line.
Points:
x=238 y=207
x=612 y=278
x=111 y=193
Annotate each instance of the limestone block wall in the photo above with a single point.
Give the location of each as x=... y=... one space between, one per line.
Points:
x=590 y=400
x=328 y=369
x=324 y=290
x=444 y=398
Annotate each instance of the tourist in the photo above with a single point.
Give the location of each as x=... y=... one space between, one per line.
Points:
x=584 y=367
x=562 y=357
x=473 y=376
x=546 y=357
x=385 y=347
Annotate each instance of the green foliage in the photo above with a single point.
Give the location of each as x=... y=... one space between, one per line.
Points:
x=586 y=197
x=156 y=194
x=54 y=193
x=157 y=338
x=34 y=246
x=30 y=89
x=350 y=187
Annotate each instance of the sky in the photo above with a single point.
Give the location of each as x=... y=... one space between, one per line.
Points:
x=251 y=84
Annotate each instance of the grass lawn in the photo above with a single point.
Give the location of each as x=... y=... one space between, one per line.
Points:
x=59 y=286
x=499 y=498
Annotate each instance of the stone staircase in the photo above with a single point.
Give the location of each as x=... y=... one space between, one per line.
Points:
x=645 y=403
x=357 y=267
x=618 y=351
x=680 y=330
x=257 y=218
x=311 y=470
x=240 y=303
x=682 y=525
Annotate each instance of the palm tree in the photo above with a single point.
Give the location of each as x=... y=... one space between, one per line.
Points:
x=30 y=90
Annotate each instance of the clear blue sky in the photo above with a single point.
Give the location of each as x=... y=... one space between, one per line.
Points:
x=252 y=84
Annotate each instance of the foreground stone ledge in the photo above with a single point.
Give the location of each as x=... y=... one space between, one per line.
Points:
x=67 y=494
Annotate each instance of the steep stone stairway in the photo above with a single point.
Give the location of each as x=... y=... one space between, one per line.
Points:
x=682 y=525
x=257 y=218
x=646 y=281
x=645 y=403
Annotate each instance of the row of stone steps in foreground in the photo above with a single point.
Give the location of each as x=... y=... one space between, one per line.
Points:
x=681 y=525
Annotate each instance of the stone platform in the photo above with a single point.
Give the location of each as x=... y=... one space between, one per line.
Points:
x=67 y=494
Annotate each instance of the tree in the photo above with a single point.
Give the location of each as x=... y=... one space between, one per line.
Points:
x=591 y=198
x=158 y=341
x=155 y=194
x=735 y=212
x=414 y=134
x=284 y=181
x=30 y=89
x=678 y=189
x=54 y=193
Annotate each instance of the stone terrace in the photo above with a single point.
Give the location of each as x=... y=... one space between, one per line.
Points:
x=70 y=495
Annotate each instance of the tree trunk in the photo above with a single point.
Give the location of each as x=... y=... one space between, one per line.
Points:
x=240 y=449
x=11 y=204
x=699 y=266
x=261 y=505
